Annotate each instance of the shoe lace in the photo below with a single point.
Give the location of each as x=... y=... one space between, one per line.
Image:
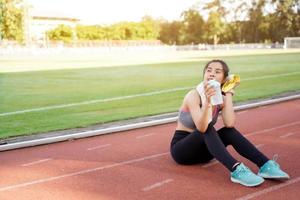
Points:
x=243 y=169
x=275 y=158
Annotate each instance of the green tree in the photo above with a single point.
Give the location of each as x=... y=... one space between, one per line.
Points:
x=1 y=18
x=147 y=29
x=296 y=19
x=62 y=32
x=235 y=27
x=170 y=32
x=11 y=27
x=151 y=28
x=216 y=22
x=285 y=20
x=217 y=6
x=90 y=32
x=214 y=28
x=193 y=29
x=255 y=23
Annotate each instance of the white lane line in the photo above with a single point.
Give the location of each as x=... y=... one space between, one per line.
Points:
x=287 y=135
x=94 y=101
x=270 y=76
x=53 y=178
x=211 y=163
x=147 y=135
x=36 y=162
x=270 y=189
x=272 y=129
x=126 y=97
x=156 y=185
x=259 y=145
x=98 y=147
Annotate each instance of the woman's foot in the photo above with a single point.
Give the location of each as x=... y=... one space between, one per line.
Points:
x=244 y=176
x=271 y=169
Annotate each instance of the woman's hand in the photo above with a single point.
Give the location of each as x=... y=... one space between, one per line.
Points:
x=209 y=91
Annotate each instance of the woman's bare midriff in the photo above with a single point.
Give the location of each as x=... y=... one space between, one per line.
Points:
x=181 y=127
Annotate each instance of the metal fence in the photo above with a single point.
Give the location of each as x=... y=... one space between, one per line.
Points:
x=59 y=48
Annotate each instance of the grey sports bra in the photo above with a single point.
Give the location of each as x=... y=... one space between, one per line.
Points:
x=186 y=119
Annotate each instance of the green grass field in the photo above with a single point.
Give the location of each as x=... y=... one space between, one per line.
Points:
x=262 y=75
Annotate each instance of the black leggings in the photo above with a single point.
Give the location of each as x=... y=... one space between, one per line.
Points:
x=196 y=147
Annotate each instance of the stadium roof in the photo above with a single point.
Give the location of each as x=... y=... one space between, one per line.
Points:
x=52 y=15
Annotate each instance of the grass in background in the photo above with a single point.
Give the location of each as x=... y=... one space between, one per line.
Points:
x=27 y=90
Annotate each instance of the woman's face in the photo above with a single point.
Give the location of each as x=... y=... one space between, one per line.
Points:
x=214 y=71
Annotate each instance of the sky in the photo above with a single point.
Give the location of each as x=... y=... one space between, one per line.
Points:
x=112 y=11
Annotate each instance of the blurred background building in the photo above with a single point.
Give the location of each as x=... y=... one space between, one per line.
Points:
x=37 y=23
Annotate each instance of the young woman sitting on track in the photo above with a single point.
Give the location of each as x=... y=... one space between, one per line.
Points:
x=197 y=141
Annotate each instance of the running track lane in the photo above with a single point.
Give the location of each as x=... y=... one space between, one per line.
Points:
x=137 y=165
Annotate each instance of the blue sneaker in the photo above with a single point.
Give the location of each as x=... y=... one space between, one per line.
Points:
x=245 y=176
x=271 y=169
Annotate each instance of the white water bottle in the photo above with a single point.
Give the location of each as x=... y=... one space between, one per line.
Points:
x=217 y=98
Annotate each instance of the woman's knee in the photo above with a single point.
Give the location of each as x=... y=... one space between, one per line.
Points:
x=228 y=130
x=228 y=135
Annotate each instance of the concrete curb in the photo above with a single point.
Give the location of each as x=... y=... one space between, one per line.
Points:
x=102 y=131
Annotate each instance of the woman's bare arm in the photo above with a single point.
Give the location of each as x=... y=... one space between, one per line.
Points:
x=228 y=114
x=200 y=115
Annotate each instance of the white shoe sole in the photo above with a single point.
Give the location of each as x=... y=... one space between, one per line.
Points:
x=273 y=177
x=245 y=184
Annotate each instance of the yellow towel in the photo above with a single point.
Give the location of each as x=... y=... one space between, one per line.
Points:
x=233 y=81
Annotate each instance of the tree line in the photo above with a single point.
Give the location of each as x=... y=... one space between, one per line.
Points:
x=218 y=21
x=11 y=15
x=146 y=29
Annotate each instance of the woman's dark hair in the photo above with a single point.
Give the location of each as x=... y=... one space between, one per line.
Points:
x=224 y=66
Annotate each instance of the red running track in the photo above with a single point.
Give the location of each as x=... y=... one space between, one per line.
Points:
x=136 y=164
